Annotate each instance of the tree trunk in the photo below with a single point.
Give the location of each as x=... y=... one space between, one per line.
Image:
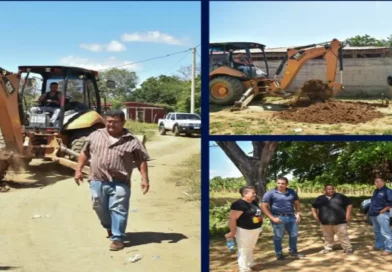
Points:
x=255 y=168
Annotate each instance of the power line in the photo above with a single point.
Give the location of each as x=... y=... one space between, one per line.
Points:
x=181 y=59
x=154 y=58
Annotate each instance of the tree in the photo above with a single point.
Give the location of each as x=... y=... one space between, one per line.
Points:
x=367 y=40
x=333 y=162
x=255 y=167
x=168 y=90
x=126 y=82
x=185 y=72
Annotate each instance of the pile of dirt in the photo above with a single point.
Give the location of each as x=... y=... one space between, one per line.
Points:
x=331 y=112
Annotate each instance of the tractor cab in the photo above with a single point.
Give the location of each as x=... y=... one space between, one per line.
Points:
x=237 y=55
x=59 y=97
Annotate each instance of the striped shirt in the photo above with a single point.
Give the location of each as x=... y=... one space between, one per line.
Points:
x=113 y=161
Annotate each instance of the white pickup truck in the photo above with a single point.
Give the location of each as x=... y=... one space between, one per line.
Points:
x=178 y=123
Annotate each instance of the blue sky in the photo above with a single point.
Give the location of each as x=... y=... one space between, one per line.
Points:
x=220 y=164
x=98 y=35
x=278 y=24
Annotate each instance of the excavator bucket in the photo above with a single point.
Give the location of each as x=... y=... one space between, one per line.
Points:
x=315 y=91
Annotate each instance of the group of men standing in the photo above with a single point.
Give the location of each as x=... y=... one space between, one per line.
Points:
x=332 y=210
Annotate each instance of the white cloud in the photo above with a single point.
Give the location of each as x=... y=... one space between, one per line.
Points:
x=153 y=37
x=98 y=64
x=113 y=46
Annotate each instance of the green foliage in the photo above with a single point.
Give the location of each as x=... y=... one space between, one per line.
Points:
x=169 y=90
x=219 y=184
x=333 y=162
x=367 y=40
x=224 y=185
x=139 y=128
x=126 y=82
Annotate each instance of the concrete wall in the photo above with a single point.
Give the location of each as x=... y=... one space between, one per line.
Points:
x=366 y=77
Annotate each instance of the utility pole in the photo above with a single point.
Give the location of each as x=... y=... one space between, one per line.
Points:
x=193 y=80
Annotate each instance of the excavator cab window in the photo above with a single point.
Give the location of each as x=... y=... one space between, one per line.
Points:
x=219 y=57
x=78 y=94
x=237 y=55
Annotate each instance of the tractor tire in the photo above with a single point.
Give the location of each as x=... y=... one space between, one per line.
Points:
x=162 y=130
x=225 y=90
x=77 y=145
x=176 y=131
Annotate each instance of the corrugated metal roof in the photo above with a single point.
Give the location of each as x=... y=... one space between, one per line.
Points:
x=284 y=49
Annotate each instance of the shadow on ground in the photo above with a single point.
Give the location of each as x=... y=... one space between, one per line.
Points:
x=5 y=268
x=148 y=237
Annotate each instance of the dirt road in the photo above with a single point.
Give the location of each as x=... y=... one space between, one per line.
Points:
x=71 y=238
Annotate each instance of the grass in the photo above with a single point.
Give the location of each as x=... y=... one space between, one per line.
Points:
x=147 y=129
x=188 y=177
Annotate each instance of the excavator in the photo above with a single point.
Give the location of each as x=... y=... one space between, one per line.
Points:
x=235 y=79
x=27 y=134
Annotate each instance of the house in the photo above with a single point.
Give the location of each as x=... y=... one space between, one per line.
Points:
x=142 y=112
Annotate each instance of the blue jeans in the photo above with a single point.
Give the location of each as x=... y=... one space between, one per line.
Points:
x=382 y=231
x=111 y=203
x=288 y=224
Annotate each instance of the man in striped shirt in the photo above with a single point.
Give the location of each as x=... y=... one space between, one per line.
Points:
x=113 y=152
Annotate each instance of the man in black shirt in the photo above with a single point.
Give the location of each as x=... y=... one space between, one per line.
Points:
x=333 y=211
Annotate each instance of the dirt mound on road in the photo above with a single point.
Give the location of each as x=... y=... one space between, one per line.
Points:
x=331 y=112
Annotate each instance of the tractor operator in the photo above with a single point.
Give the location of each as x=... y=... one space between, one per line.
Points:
x=245 y=64
x=50 y=102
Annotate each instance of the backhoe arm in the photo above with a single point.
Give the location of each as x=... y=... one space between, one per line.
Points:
x=9 y=111
x=296 y=58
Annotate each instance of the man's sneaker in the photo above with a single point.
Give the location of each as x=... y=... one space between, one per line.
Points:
x=326 y=251
x=280 y=257
x=297 y=255
x=386 y=253
x=116 y=245
x=349 y=251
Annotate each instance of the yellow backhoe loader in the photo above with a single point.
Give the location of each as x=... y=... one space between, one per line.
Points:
x=26 y=130
x=235 y=79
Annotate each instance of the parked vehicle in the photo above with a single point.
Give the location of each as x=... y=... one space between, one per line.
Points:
x=364 y=208
x=178 y=122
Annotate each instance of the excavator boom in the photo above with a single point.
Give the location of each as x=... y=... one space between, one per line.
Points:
x=298 y=57
x=10 y=124
x=315 y=90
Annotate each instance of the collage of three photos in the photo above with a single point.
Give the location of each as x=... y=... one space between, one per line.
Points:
x=196 y=136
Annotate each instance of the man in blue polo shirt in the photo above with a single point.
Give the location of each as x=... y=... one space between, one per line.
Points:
x=278 y=204
x=380 y=205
